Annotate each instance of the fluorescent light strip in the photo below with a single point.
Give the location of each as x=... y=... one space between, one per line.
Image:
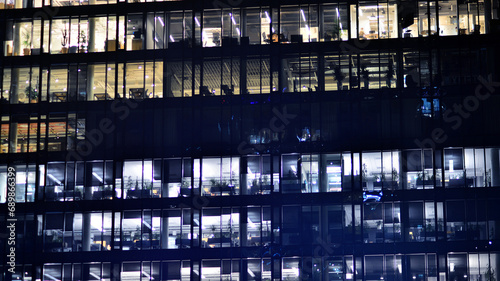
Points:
x=161 y=21
x=251 y=223
x=250 y=272
x=147 y=275
x=50 y=276
x=172 y=38
x=97 y=177
x=267 y=16
x=197 y=21
x=303 y=15
x=54 y=179
x=95 y=275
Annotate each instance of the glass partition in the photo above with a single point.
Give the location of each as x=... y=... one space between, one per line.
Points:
x=290 y=173
x=455 y=220
x=333 y=22
x=220 y=176
x=252 y=25
x=212 y=28
x=373 y=231
x=134 y=33
x=336 y=75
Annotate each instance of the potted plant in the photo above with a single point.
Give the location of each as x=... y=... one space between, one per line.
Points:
x=395 y=175
x=366 y=75
x=364 y=172
x=390 y=73
x=490 y=273
x=26 y=42
x=487 y=182
x=31 y=93
x=215 y=233
x=339 y=76
x=64 y=41
x=83 y=41
x=147 y=189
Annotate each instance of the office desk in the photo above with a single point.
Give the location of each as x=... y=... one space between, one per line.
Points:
x=274 y=38
x=102 y=97
x=59 y=96
x=136 y=93
x=426 y=32
x=136 y=44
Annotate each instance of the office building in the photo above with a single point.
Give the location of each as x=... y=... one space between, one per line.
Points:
x=250 y=140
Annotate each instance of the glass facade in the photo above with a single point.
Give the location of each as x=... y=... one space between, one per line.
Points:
x=240 y=140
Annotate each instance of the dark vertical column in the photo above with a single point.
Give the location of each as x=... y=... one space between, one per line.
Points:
x=243 y=23
x=243 y=270
x=86 y=232
x=13 y=137
x=399 y=70
x=405 y=215
x=323 y=180
x=165 y=178
x=87 y=183
x=244 y=175
x=167 y=80
x=243 y=226
x=487 y=16
x=113 y=243
x=323 y=227
x=73 y=82
x=243 y=68
x=495 y=167
x=321 y=72
x=195 y=270
x=14 y=86
x=164 y=230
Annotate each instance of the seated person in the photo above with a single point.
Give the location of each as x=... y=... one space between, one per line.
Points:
x=362 y=33
x=216 y=38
